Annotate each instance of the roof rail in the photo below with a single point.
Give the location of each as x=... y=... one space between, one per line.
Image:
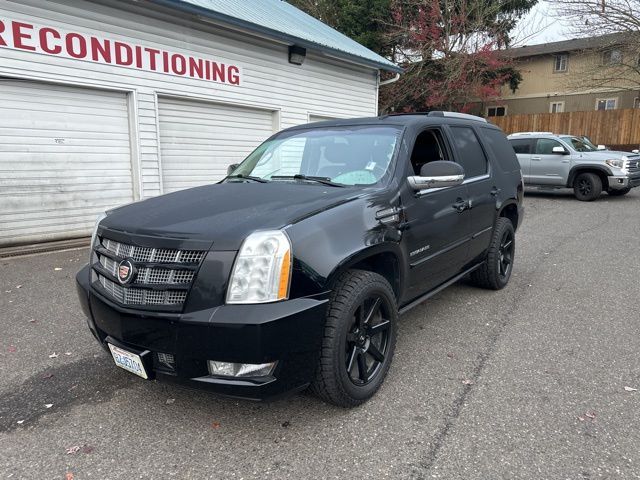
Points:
x=463 y=116
x=532 y=133
x=439 y=113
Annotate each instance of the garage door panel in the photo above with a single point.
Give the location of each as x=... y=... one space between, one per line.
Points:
x=199 y=140
x=64 y=157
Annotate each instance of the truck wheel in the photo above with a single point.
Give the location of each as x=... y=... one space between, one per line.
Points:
x=496 y=270
x=587 y=187
x=618 y=193
x=359 y=339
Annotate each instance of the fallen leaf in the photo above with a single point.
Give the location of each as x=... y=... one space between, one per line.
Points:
x=53 y=355
x=630 y=389
x=170 y=401
x=590 y=414
x=68 y=476
x=87 y=449
x=12 y=349
x=286 y=424
x=33 y=320
x=48 y=405
x=20 y=422
x=451 y=355
x=581 y=418
x=67 y=353
x=467 y=382
x=18 y=286
x=215 y=425
x=73 y=450
x=57 y=269
x=47 y=376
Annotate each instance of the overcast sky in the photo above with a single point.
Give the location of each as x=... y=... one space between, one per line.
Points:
x=541 y=26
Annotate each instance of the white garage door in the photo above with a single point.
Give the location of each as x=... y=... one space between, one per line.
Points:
x=64 y=158
x=199 y=140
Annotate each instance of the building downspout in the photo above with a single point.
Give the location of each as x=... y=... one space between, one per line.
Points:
x=391 y=80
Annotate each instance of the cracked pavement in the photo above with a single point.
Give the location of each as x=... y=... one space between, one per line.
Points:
x=528 y=382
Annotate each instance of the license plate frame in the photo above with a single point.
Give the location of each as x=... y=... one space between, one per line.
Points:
x=129 y=361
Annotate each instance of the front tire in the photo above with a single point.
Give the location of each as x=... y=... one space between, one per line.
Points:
x=587 y=187
x=359 y=339
x=495 y=272
x=619 y=193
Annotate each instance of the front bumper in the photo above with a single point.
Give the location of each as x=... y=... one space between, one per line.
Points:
x=621 y=182
x=288 y=332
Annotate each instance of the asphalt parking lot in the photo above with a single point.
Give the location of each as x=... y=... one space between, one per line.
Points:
x=535 y=381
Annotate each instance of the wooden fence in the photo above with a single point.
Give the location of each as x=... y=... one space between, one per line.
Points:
x=608 y=127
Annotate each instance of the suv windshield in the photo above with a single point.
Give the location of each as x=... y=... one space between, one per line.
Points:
x=351 y=155
x=580 y=145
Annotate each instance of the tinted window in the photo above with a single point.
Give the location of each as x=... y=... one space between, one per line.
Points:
x=502 y=150
x=470 y=153
x=544 y=146
x=521 y=145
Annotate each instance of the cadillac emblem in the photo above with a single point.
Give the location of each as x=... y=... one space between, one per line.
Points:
x=126 y=271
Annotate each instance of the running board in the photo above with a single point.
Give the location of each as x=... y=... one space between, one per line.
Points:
x=438 y=289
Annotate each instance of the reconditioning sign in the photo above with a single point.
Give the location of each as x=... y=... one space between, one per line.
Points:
x=80 y=46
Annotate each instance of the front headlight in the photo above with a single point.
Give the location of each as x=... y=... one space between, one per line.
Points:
x=262 y=270
x=101 y=217
x=615 y=163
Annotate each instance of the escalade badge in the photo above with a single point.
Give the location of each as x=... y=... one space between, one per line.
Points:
x=126 y=271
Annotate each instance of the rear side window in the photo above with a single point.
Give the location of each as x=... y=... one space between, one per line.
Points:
x=502 y=150
x=521 y=145
x=470 y=153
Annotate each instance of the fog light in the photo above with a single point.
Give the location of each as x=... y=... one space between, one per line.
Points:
x=227 y=369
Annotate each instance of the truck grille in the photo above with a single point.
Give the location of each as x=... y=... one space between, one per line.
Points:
x=633 y=163
x=163 y=276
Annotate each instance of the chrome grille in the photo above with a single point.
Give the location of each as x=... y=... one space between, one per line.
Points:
x=147 y=254
x=633 y=163
x=161 y=285
x=141 y=296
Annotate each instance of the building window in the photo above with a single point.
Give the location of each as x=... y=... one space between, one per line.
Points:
x=496 y=111
x=556 y=107
x=612 y=57
x=560 y=62
x=606 y=103
x=636 y=102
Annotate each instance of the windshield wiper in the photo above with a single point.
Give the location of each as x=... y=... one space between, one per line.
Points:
x=248 y=177
x=311 y=178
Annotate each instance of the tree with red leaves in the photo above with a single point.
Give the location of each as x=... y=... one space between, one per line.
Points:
x=451 y=52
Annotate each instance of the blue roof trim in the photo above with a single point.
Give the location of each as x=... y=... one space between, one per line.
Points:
x=279 y=20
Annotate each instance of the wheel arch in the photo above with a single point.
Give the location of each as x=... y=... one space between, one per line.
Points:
x=385 y=260
x=601 y=172
x=509 y=210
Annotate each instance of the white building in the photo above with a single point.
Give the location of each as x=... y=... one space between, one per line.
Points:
x=108 y=102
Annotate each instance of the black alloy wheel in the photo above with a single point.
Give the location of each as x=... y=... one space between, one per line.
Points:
x=587 y=187
x=368 y=340
x=359 y=339
x=495 y=271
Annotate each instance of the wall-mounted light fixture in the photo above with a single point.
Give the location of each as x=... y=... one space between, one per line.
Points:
x=297 y=54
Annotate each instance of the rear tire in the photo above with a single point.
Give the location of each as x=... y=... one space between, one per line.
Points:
x=496 y=270
x=359 y=339
x=587 y=187
x=619 y=193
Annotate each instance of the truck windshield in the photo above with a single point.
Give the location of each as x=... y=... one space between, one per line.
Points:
x=581 y=144
x=348 y=155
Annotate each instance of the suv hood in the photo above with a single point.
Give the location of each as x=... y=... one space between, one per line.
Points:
x=605 y=154
x=226 y=213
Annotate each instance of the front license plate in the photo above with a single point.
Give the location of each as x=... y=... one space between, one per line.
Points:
x=127 y=360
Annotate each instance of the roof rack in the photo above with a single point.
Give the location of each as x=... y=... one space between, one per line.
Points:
x=440 y=113
x=531 y=133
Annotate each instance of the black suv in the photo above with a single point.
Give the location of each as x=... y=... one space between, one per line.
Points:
x=293 y=270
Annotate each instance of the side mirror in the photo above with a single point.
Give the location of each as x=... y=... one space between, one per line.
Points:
x=437 y=174
x=559 y=150
x=602 y=147
x=635 y=151
x=231 y=168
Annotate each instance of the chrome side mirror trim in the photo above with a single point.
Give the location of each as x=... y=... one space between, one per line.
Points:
x=421 y=183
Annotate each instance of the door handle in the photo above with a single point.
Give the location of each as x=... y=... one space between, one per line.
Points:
x=495 y=191
x=460 y=206
x=537 y=159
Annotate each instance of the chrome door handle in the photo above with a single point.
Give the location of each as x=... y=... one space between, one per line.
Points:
x=460 y=206
x=537 y=159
